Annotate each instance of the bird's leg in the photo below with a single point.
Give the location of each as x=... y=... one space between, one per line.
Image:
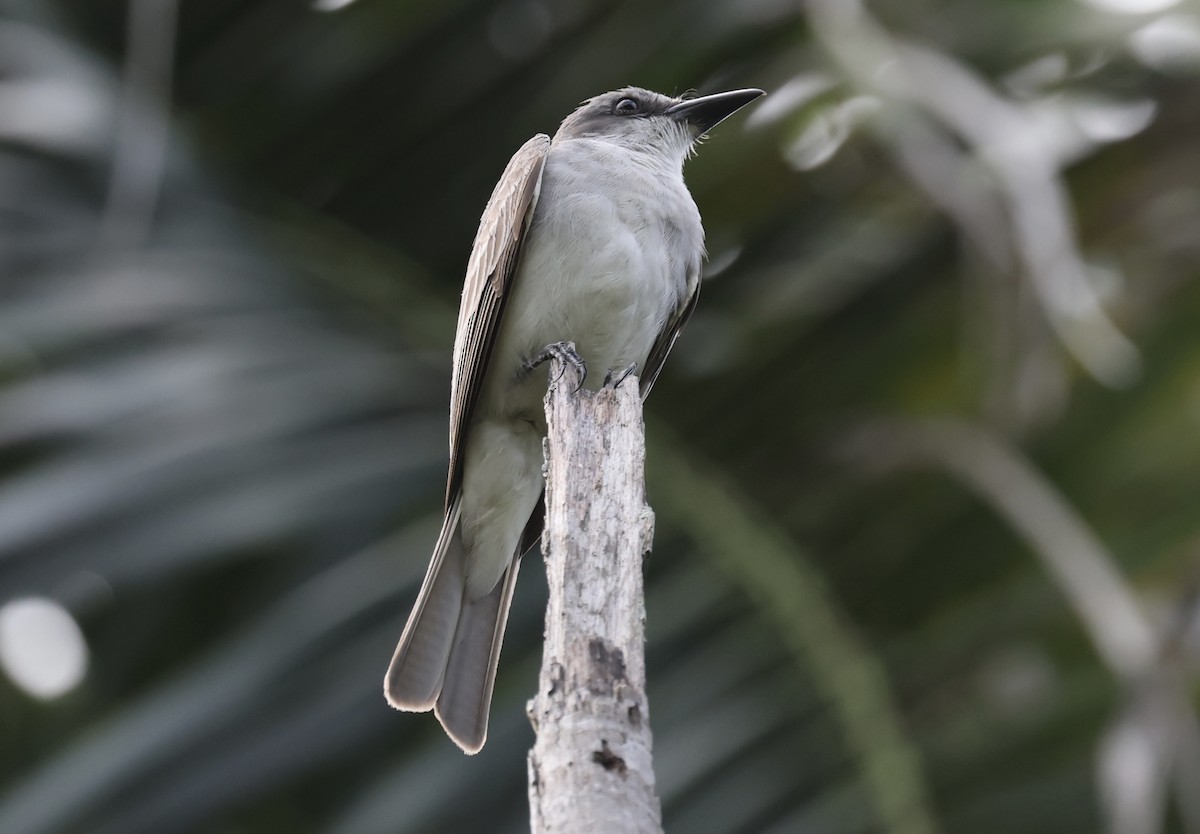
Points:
x=616 y=379
x=566 y=354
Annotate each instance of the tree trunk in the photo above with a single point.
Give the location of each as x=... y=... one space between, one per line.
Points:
x=590 y=769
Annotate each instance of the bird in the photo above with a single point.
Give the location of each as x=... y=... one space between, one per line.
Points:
x=590 y=249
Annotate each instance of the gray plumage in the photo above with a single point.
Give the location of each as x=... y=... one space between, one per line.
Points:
x=593 y=238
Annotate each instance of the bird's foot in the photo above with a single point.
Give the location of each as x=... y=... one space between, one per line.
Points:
x=614 y=379
x=566 y=355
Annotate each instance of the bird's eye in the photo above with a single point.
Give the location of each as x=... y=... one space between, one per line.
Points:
x=627 y=107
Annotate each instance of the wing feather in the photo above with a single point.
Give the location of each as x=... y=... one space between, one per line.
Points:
x=495 y=256
x=666 y=338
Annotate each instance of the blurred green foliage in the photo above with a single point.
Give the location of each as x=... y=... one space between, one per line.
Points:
x=926 y=461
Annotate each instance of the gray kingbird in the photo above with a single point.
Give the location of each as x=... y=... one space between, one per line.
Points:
x=592 y=238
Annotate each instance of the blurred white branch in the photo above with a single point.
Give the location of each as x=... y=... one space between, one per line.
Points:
x=928 y=94
x=1157 y=736
x=1152 y=745
x=1069 y=549
x=143 y=124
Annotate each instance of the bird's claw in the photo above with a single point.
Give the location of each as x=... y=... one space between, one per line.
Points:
x=566 y=355
x=615 y=380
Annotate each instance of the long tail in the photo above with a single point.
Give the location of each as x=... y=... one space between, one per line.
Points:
x=446 y=659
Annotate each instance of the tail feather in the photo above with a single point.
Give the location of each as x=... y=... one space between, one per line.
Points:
x=465 y=700
x=414 y=677
x=446 y=658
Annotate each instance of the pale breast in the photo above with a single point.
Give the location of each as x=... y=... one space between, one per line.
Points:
x=613 y=245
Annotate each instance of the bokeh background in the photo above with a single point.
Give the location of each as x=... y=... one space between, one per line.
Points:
x=926 y=462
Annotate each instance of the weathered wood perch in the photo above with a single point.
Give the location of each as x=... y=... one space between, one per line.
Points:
x=590 y=769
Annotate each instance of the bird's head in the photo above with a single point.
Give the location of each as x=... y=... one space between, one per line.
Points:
x=652 y=122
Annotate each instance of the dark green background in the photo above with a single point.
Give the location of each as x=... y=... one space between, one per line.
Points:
x=223 y=408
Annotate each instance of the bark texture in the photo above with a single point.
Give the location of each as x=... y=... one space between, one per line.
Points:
x=590 y=769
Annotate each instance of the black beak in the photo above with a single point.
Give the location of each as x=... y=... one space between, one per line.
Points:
x=706 y=112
